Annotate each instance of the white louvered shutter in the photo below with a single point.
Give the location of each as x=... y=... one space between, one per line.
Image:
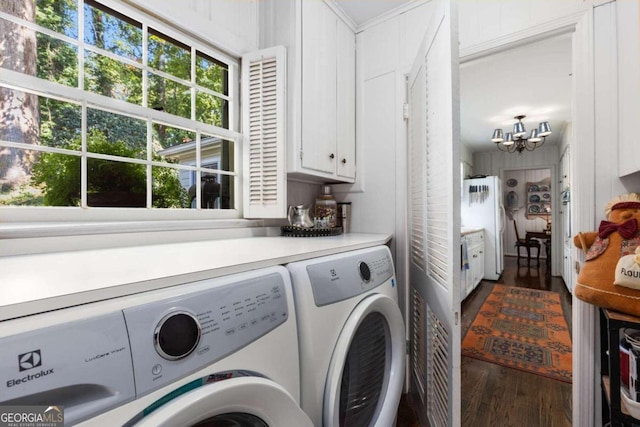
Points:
x=434 y=271
x=417 y=173
x=263 y=127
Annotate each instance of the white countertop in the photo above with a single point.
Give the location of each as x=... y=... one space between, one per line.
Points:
x=37 y=283
x=469 y=230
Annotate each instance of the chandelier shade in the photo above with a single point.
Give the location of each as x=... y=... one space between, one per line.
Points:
x=544 y=129
x=517 y=141
x=498 y=136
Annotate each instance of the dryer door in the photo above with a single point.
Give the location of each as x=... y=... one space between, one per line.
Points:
x=365 y=377
x=242 y=402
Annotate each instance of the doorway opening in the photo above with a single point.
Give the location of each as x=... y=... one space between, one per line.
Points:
x=493 y=91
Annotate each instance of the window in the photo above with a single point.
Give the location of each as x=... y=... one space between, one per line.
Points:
x=105 y=108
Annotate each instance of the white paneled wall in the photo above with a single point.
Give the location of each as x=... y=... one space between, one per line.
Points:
x=377 y=49
x=522 y=176
x=607 y=184
x=302 y=193
x=230 y=24
x=482 y=21
x=385 y=53
x=494 y=162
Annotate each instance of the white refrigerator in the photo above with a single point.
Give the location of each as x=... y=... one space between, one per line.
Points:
x=482 y=208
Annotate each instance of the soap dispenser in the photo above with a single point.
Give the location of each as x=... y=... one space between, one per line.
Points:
x=326 y=209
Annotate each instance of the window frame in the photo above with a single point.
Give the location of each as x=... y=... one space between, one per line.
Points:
x=32 y=84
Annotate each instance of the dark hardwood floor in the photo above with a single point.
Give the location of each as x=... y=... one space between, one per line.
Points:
x=494 y=395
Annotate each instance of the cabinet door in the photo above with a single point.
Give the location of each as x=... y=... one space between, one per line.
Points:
x=463 y=285
x=475 y=267
x=346 y=102
x=480 y=264
x=318 y=87
x=468 y=276
x=628 y=17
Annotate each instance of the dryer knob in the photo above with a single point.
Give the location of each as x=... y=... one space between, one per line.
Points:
x=365 y=272
x=177 y=335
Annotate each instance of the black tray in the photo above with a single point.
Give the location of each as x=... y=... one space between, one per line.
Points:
x=289 y=231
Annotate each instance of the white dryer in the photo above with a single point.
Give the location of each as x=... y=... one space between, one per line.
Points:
x=352 y=340
x=220 y=351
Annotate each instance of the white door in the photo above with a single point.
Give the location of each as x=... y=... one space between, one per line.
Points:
x=434 y=210
x=366 y=374
x=246 y=401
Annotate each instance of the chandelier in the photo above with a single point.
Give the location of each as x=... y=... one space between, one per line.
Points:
x=517 y=141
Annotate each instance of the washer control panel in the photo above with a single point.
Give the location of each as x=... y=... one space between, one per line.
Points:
x=365 y=271
x=347 y=276
x=172 y=338
x=90 y=363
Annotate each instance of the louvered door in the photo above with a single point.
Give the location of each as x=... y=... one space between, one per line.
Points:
x=263 y=126
x=434 y=207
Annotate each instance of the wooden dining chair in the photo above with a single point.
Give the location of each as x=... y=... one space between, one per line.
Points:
x=523 y=243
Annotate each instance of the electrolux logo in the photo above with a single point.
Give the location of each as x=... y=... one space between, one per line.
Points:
x=29 y=360
x=26 y=361
x=29 y=377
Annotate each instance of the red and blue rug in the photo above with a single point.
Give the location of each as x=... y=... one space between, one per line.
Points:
x=522 y=329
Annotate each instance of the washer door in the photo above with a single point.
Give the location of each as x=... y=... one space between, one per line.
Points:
x=365 y=377
x=237 y=402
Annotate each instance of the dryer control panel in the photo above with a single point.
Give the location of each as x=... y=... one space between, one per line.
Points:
x=348 y=276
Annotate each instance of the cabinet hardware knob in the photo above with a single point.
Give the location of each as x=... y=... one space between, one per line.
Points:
x=332 y=156
x=344 y=161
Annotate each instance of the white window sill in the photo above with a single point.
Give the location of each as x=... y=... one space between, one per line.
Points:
x=18 y=230
x=22 y=238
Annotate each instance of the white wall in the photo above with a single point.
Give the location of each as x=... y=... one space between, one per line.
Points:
x=466 y=159
x=594 y=182
x=231 y=25
x=384 y=55
x=494 y=162
x=302 y=193
x=607 y=184
x=567 y=138
x=482 y=21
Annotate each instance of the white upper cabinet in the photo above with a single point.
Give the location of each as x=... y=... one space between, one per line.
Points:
x=346 y=103
x=321 y=85
x=319 y=92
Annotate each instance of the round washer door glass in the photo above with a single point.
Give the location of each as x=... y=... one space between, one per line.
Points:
x=364 y=372
x=234 y=419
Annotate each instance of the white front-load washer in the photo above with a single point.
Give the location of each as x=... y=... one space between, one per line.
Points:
x=352 y=341
x=220 y=351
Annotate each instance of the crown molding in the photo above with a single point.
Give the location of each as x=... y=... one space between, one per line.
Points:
x=342 y=14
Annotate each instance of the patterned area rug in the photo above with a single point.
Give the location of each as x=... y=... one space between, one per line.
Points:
x=522 y=329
